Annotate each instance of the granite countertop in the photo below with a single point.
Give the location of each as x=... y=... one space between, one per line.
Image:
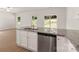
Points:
x=72 y=35
x=45 y=30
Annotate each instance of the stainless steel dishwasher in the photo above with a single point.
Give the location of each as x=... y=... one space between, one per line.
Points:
x=46 y=42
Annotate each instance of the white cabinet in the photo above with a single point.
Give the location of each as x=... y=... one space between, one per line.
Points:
x=32 y=41
x=27 y=39
x=18 y=38
x=21 y=38
x=64 y=45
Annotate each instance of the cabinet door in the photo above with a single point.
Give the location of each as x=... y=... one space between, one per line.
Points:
x=18 y=36
x=32 y=41
x=62 y=44
x=23 y=39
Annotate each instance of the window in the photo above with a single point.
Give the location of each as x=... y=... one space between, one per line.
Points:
x=50 y=21
x=18 y=20
x=34 y=21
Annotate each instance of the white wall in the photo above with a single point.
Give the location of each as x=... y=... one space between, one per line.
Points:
x=7 y=20
x=25 y=20
x=60 y=12
x=73 y=18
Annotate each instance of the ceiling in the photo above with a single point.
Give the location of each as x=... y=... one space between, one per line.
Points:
x=21 y=9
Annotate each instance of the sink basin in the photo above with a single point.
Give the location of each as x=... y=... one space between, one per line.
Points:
x=31 y=28
x=27 y=28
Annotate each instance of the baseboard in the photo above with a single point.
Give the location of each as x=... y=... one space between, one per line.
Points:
x=7 y=29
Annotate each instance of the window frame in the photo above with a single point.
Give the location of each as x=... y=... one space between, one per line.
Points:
x=34 y=18
x=49 y=18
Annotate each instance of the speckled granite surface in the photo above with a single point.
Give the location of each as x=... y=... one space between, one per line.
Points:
x=47 y=31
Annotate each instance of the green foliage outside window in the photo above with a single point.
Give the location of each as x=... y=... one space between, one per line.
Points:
x=18 y=19
x=34 y=21
x=50 y=21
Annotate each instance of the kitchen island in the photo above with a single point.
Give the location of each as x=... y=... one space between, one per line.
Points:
x=70 y=43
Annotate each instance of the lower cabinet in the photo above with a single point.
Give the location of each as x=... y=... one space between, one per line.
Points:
x=64 y=45
x=29 y=40
x=18 y=38
x=32 y=41
x=21 y=38
x=26 y=39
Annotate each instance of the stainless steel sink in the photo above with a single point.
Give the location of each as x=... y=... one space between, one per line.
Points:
x=30 y=28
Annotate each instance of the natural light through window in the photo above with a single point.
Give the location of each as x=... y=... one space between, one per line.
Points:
x=50 y=21
x=34 y=21
x=18 y=20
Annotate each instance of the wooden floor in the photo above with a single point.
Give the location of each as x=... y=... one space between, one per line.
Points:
x=8 y=42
